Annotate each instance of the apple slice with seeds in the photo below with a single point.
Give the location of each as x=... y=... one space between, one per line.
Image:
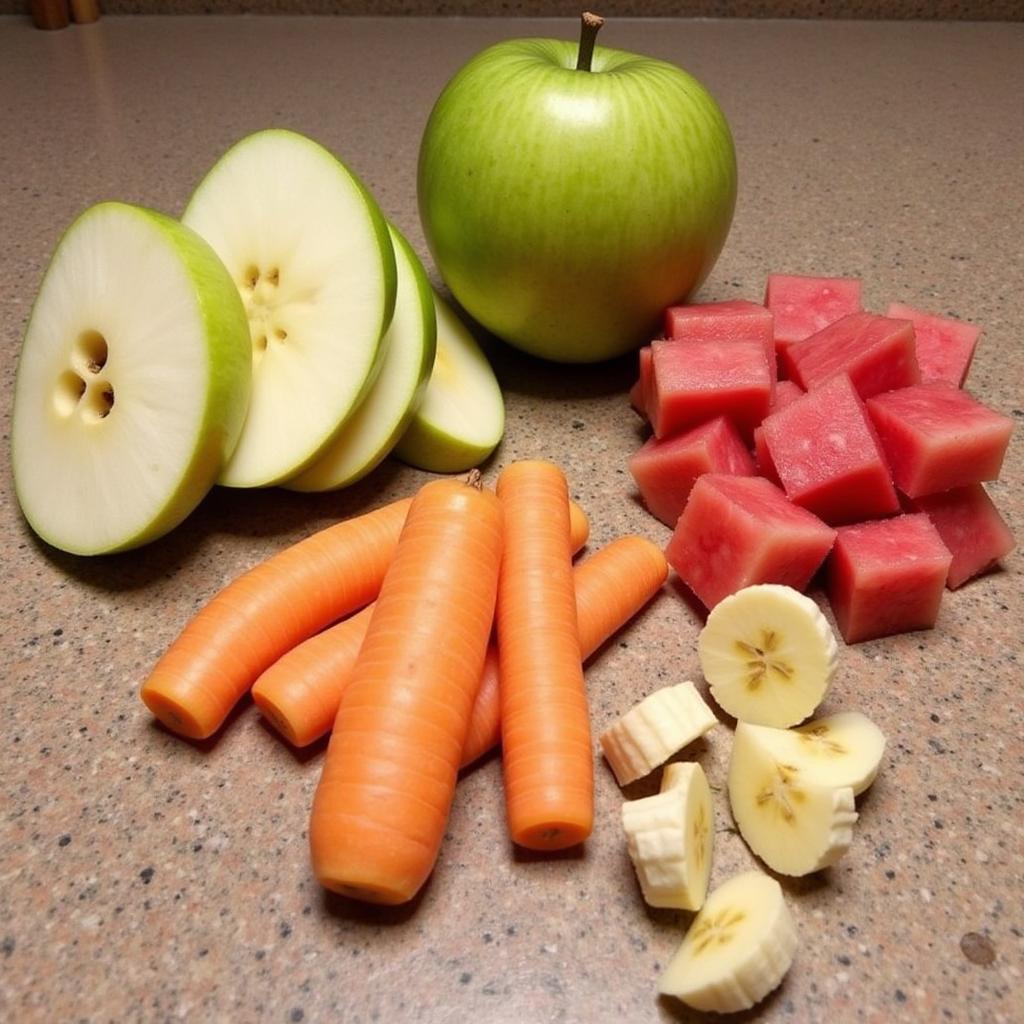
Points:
x=133 y=382
x=462 y=417
x=382 y=417
x=311 y=255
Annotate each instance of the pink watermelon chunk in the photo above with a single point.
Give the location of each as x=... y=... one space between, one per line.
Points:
x=802 y=305
x=876 y=353
x=666 y=470
x=763 y=457
x=886 y=577
x=734 y=320
x=786 y=393
x=936 y=437
x=827 y=457
x=699 y=380
x=640 y=392
x=739 y=530
x=971 y=527
x=945 y=347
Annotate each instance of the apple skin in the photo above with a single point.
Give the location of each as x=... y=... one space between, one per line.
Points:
x=566 y=209
x=462 y=417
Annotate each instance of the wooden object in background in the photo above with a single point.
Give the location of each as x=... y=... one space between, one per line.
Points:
x=85 y=11
x=49 y=14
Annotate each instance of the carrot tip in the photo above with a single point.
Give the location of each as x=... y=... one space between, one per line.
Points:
x=367 y=893
x=176 y=716
x=278 y=719
x=551 y=836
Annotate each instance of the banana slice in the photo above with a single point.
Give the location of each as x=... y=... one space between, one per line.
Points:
x=669 y=837
x=793 y=823
x=651 y=732
x=844 y=749
x=768 y=655
x=738 y=948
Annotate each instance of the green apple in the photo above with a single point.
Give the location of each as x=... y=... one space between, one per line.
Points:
x=385 y=413
x=310 y=253
x=133 y=382
x=566 y=206
x=462 y=417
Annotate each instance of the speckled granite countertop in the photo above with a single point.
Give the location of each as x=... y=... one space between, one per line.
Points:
x=921 y=10
x=146 y=879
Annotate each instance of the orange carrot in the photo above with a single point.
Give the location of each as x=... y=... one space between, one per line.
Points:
x=545 y=729
x=389 y=776
x=611 y=587
x=300 y=693
x=249 y=624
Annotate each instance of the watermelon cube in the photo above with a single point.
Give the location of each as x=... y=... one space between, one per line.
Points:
x=739 y=530
x=827 y=456
x=786 y=393
x=936 y=437
x=802 y=305
x=763 y=458
x=875 y=352
x=971 y=527
x=665 y=470
x=886 y=577
x=639 y=393
x=699 y=380
x=734 y=320
x=945 y=347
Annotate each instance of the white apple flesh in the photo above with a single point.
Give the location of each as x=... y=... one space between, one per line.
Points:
x=311 y=256
x=462 y=416
x=396 y=395
x=133 y=382
x=565 y=208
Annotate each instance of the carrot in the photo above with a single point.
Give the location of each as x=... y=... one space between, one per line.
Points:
x=301 y=691
x=611 y=587
x=389 y=776
x=249 y=624
x=545 y=730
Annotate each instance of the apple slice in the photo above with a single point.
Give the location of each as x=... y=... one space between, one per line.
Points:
x=462 y=416
x=133 y=382
x=310 y=253
x=382 y=417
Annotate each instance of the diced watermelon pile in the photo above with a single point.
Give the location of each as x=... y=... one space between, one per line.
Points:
x=806 y=432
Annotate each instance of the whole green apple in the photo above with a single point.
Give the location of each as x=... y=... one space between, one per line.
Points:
x=565 y=207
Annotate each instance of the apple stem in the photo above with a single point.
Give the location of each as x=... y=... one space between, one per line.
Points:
x=590 y=24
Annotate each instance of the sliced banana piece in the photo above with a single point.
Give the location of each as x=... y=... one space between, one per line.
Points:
x=738 y=948
x=844 y=749
x=793 y=823
x=669 y=837
x=768 y=654
x=651 y=732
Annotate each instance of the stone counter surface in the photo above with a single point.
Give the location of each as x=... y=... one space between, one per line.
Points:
x=143 y=878
x=915 y=10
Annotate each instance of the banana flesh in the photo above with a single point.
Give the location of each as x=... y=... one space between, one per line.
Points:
x=844 y=749
x=768 y=655
x=794 y=823
x=651 y=732
x=738 y=948
x=669 y=837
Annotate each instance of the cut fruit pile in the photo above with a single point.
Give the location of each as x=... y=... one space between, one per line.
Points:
x=806 y=433
x=768 y=656
x=282 y=333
